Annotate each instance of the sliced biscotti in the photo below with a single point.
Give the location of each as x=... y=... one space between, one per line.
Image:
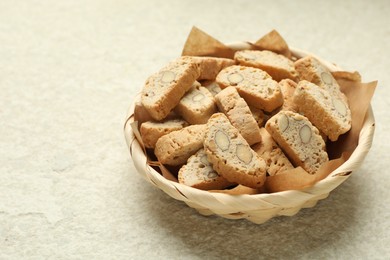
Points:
x=299 y=139
x=254 y=85
x=199 y=173
x=273 y=156
x=164 y=89
x=210 y=66
x=329 y=113
x=239 y=114
x=197 y=105
x=176 y=147
x=287 y=86
x=151 y=131
x=258 y=115
x=311 y=69
x=276 y=65
x=211 y=86
x=231 y=155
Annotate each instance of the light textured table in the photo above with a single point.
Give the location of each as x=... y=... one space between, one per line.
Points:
x=69 y=71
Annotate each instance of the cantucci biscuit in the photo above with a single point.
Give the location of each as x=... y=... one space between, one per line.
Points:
x=199 y=173
x=176 y=147
x=299 y=139
x=212 y=86
x=273 y=156
x=210 y=66
x=164 y=89
x=329 y=113
x=310 y=69
x=142 y=115
x=231 y=155
x=258 y=115
x=276 y=65
x=254 y=85
x=287 y=86
x=239 y=114
x=197 y=105
x=151 y=131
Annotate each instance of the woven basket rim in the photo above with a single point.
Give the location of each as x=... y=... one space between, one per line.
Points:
x=211 y=200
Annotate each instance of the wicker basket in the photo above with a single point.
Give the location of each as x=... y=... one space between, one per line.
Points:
x=260 y=207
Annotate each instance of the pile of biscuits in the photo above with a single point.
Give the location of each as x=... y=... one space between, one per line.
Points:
x=225 y=122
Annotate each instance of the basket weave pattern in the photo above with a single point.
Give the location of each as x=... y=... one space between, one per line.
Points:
x=260 y=207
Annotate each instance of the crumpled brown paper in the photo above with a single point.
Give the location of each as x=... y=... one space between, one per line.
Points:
x=359 y=97
x=273 y=41
x=200 y=43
